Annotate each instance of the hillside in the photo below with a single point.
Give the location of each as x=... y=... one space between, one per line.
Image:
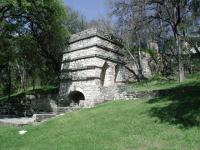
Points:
x=169 y=122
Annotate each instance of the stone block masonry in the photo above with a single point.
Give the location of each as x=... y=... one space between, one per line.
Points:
x=93 y=70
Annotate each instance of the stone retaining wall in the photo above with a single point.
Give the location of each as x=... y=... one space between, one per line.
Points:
x=27 y=105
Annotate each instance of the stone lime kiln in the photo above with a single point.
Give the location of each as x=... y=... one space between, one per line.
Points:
x=93 y=69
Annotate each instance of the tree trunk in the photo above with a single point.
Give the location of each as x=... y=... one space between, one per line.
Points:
x=33 y=83
x=140 y=69
x=9 y=83
x=9 y=80
x=137 y=76
x=180 y=63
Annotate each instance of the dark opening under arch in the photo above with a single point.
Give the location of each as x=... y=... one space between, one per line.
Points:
x=76 y=96
x=103 y=73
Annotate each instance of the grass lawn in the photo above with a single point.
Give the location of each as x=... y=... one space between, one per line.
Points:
x=157 y=83
x=171 y=122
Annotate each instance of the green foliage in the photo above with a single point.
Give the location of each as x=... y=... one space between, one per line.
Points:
x=74 y=21
x=1 y=90
x=196 y=7
x=196 y=64
x=30 y=91
x=142 y=22
x=33 y=35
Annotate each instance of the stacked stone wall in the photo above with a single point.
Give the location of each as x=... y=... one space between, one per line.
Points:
x=94 y=65
x=27 y=105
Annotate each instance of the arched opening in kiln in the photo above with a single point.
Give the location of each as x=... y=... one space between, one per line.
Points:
x=76 y=96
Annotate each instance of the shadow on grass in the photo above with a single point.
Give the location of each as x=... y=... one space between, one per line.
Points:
x=180 y=105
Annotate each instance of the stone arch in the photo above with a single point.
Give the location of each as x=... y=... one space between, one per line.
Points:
x=76 y=88
x=76 y=96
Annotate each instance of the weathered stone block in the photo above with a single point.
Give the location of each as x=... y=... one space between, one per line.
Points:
x=94 y=70
x=41 y=117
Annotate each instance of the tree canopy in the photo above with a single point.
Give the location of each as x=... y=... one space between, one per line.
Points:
x=33 y=36
x=141 y=22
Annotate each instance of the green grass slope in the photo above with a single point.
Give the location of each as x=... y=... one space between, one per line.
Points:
x=158 y=83
x=169 y=123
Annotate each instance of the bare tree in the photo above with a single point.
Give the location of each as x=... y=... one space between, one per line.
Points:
x=168 y=15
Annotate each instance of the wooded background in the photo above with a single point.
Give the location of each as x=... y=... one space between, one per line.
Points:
x=34 y=34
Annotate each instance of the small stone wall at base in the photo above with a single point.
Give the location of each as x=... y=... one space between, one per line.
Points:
x=27 y=105
x=41 y=117
x=125 y=93
x=21 y=108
